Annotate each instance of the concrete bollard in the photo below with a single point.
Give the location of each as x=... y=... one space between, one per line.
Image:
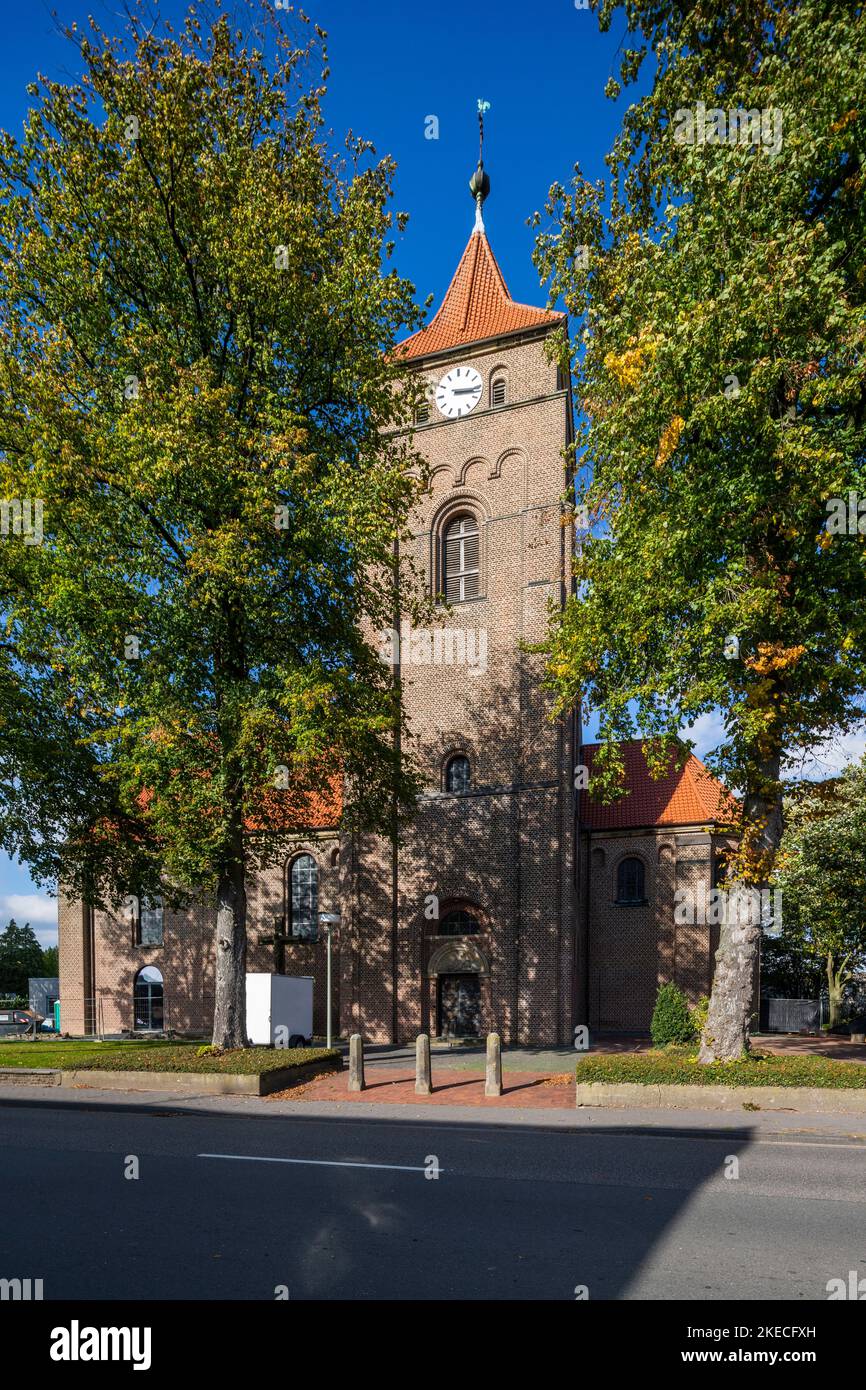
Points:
x=493 y=1079
x=356 y=1062
x=423 y=1080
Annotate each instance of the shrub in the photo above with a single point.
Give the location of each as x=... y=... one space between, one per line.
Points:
x=671 y=1020
x=679 y=1066
x=208 y=1050
x=699 y=1015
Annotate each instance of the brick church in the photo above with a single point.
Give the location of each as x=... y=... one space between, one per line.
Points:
x=515 y=903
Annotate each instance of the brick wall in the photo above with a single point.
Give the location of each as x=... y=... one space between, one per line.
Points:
x=634 y=949
x=186 y=957
x=504 y=848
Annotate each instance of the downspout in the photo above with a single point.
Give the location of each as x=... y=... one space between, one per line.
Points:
x=89 y=956
x=395 y=821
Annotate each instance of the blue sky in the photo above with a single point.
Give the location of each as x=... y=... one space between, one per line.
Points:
x=543 y=69
x=393 y=64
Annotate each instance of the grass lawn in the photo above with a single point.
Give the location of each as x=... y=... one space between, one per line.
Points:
x=78 y=1054
x=679 y=1066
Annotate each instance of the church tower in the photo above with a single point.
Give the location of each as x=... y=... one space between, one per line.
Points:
x=480 y=932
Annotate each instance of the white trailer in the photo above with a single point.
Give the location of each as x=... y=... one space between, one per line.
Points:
x=279 y=1010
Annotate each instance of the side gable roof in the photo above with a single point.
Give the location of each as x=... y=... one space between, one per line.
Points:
x=686 y=795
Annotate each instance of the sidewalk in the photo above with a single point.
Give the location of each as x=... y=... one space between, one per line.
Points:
x=390 y=1085
x=759 y=1127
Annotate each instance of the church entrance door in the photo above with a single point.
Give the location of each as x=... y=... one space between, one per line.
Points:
x=459 y=1006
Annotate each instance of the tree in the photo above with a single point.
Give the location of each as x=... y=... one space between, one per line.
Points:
x=197 y=389
x=719 y=280
x=20 y=958
x=50 y=962
x=821 y=871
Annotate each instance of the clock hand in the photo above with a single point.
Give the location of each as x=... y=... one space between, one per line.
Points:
x=465 y=390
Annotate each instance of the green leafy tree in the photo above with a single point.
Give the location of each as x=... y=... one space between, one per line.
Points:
x=821 y=871
x=20 y=957
x=719 y=278
x=50 y=962
x=196 y=385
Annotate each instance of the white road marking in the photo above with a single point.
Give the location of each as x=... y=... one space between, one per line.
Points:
x=318 y=1162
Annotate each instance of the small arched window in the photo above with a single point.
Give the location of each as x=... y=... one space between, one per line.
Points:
x=304 y=898
x=461 y=560
x=422 y=414
x=458 y=923
x=458 y=774
x=148 y=1000
x=498 y=391
x=630 y=881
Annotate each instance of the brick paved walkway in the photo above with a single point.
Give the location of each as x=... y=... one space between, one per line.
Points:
x=523 y=1089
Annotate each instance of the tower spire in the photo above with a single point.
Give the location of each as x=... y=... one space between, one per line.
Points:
x=479 y=184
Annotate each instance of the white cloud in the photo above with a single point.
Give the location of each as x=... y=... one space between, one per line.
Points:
x=35 y=908
x=828 y=758
x=707 y=732
x=30 y=907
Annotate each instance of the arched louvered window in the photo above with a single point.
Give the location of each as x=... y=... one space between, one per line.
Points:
x=458 y=774
x=461 y=560
x=630 y=881
x=498 y=391
x=304 y=898
x=458 y=923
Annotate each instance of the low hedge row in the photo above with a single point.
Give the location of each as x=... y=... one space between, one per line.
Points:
x=679 y=1066
x=247 y=1061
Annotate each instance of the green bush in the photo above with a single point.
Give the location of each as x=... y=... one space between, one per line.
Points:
x=671 y=1020
x=699 y=1015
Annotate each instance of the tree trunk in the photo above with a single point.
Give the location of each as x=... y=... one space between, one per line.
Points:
x=726 y=1034
x=835 y=989
x=230 y=1004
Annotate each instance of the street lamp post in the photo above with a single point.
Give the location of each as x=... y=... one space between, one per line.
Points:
x=328 y=920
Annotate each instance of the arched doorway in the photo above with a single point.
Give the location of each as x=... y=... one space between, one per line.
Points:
x=456 y=969
x=148 y=1000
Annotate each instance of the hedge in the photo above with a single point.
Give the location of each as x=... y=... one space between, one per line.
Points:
x=679 y=1066
x=247 y=1061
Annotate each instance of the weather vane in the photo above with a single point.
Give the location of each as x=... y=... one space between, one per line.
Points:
x=482 y=107
x=479 y=184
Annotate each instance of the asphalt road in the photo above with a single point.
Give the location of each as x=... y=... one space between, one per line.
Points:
x=517 y=1212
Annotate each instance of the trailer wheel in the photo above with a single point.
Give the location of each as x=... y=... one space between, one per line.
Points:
x=297 y=1041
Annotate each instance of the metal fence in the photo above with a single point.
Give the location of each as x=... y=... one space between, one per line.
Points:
x=791 y=1015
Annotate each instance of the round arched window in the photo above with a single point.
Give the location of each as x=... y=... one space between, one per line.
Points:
x=458 y=923
x=630 y=881
x=148 y=1000
x=304 y=898
x=458 y=774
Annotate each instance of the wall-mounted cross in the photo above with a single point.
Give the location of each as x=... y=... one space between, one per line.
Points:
x=278 y=941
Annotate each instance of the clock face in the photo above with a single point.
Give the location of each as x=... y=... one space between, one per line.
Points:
x=458 y=392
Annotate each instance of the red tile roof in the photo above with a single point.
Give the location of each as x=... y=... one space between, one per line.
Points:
x=685 y=795
x=319 y=810
x=476 y=306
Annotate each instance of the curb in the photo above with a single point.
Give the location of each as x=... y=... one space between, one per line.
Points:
x=180 y=1082
x=814 y=1100
x=29 y=1076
